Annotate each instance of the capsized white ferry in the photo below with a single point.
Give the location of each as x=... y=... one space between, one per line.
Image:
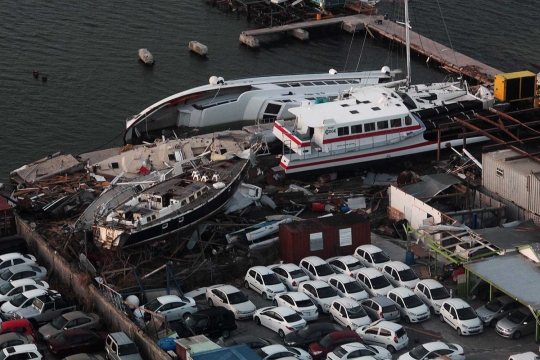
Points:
x=222 y=103
x=374 y=123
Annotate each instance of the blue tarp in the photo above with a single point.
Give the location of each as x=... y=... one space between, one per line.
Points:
x=239 y=352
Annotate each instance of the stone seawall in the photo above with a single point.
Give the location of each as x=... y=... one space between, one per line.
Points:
x=72 y=276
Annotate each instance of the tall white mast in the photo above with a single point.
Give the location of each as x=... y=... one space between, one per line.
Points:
x=408 y=43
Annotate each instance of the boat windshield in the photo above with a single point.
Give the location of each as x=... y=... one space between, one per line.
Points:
x=271 y=279
x=324 y=270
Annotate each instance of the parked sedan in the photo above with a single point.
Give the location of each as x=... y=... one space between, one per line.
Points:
x=518 y=323
x=371 y=256
x=347 y=265
x=384 y=333
x=68 y=321
x=434 y=350
x=290 y=275
x=280 y=351
x=309 y=334
x=23 y=300
x=411 y=308
x=18 y=272
x=231 y=298
x=75 y=341
x=354 y=351
x=299 y=302
x=348 y=313
x=432 y=293
x=348 y=287
x=172 y=306
x=320 y=292
x=400 y=275
x=374 y=282
x=12 y=288
x=11 y=259
x=14 y=339
x=251 y=341
x=461 y=316
x=380 y=307
x=316 y=268
x=279 y=319
x=496 y=309
x=264 y=281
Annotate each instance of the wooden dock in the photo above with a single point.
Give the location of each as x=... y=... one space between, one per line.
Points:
x=434 y=52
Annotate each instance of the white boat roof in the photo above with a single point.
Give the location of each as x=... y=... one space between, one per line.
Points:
x=365 y=104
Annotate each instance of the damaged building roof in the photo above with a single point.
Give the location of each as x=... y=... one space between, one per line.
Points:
x=431 y=185
x=512 y=238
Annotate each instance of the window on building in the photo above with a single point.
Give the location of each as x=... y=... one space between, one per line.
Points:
x=345 y=237
x=315 y=241
x=500 y=172
x=356 y=129
x=343 y=131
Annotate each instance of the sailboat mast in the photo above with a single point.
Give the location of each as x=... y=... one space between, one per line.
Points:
x=408 y=43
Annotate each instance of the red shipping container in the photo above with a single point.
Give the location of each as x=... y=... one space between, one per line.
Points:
x=340 y=234
x=7 y=219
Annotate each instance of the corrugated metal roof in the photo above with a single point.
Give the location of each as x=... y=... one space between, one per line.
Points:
x=513 y=274
x=314 y=225
x=511 y=238
x=431 y=185
x=238 y=352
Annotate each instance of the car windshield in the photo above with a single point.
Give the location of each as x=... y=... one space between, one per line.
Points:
x=353 y=287
x=407 y=275
x=412 y=301
x=379 y=282
x=18 y=300
x=6 y=275
x=193 y=320
x=152 y=305
x=326 y=341
x=494 y=305
x=127 y=349
x=439 y=293
x=59 y=323
x=466 y=313
x=324 y=270
x=418 y=352
x=326 y=292
x=61 y=338
x=379 y=257
x=355 y=265
x=517 y=317
x=303 y=332
x=304 y=303
x=340 y=352
x=4 y=289
x=237 y=298
x=292 y=318
x=356 y=312
x=295 y=274
x=271 y=279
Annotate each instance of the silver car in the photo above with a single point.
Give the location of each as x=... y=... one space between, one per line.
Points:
x=496 y=309
x=518 y=323
x=380 y=307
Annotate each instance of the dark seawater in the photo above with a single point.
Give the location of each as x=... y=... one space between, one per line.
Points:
x=89 y=52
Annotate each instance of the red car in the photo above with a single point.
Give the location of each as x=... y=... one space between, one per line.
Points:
x=21 y=326
x=76 y=341
x=318 y=350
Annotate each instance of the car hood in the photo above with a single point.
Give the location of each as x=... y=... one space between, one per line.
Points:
x=313 y=347
x=27 y=312
x=277 y=288
x=8 y=308
x=328 y=300
x=361 y=321
x=247 y=306
x=406 y=356
x=482 y=311
x=422 y=309
x=383 y=291
x=506 y=324
x=292 y=339
x=47 y=331
x=359 y=295
x=410 y=284
x=472 y=322
x=382 y=352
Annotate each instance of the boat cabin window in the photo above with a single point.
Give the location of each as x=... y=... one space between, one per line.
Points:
x=148 y=219
x=153 y=217
x=172 y=157
x=307 y=84
x=343 y=82
x=376 y=108
x=354 y=112
x=115 y=165
x=183 y=202
x=329 y=82
x=191 y=198
x=343 y=131
x=356 y=129
x=395 y=123
x=318 y=83
x=408 y=120
x=369 y=127
x=272 y=109
x=381 y=125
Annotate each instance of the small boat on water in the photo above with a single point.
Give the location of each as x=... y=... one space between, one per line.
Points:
x=146 y=57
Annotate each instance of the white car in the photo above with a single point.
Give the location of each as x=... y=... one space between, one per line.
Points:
x=371 y=256
x=290 y=275
x=357 y=351
x=12 y=259
x=461 y=316
x=320 y=292
x=264 y=281
x=316 y=268
x=434 y=350
x=10 y=289
x=282 y=320
x=400 y=275
x=18 y=272
x=172 y=306
x=373 y=282
x=384 y=333
x=411 y=308
x=348 y=313
x=230 y=298
x=347 y=287
x=280 y=352
x=299 y=302
x=26 y=351
x=432 y=293
x=348 y=265
x=23 y=300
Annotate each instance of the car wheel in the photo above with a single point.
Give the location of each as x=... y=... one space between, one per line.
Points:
x=257 y=321
x=225 y=334
x=407 y=320
x=246 y=284
x=493 y=323
x=391 y=349
x=331 y=316
x=281 y=333
x=349 y=328
x=319 y=307
x=432 y=310
x=459 y=331
x=274 y=303
x=264 y=296
x=517 y=335
x=441 y=318
x=210 y=302
x=185 y=315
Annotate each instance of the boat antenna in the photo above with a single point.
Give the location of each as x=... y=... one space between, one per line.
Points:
x=408 y=43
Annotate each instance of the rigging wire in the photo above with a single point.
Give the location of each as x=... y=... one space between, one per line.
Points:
x=349 y=52
x=448 y=35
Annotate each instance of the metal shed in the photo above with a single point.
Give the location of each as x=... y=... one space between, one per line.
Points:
x=324 y=237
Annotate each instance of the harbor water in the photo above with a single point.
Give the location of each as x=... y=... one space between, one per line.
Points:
x=88 y=51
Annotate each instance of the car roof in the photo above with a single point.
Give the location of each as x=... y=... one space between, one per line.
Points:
x=370 y=248
x=315 y=260
x=74 y=315
x=22 y=282
x=316 y=283
x=79 y=331
x=343 y=333
x=287 y=267
x=435 y=345
x=284 y=311
x=15 y=323
x=343 y=278
x=382 y=300
x=10 y=256
x=35 y=292
x=370 y=272
x=386 y=324
x=402 y=291
x=398 y=265
x=347 y=302
x=23 y=267
x=353 y=346
x=227 y=289
x=165 y=299
x=457 y=303
x=11 y=336
x=297 y=295
x=431 y=284
x=19 y=349
x=263 y=270
x=272 y=349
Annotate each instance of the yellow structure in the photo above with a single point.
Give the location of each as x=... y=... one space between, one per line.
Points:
x=515 y=86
